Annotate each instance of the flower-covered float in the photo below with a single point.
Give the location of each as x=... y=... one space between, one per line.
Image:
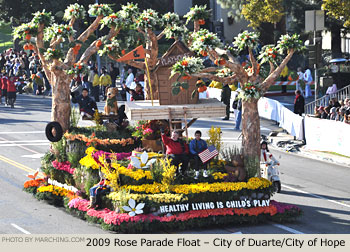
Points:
x=144 y=195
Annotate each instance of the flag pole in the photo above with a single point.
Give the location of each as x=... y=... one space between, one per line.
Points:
x=149 y=79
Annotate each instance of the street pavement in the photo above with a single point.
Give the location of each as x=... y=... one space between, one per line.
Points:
x=320 y=189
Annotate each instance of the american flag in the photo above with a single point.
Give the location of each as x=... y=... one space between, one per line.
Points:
x=208 y=154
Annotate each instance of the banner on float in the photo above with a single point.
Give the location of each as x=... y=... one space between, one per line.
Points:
x=327 y=135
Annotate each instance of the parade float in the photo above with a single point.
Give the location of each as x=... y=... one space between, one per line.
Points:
x=142 y=193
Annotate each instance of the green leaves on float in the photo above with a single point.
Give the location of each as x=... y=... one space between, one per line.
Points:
x=76 y=11
x=25 y=31
x=129 y=11
x=112 y=48
x=149 y=19
x=51 y=54
x=250 y=91
x=269 y=53
x=175 y=31
x=78 y=68
x=171 y=19
x=287 y=42
x=42 y=17
x=114 y=20
x=203 y=40
x=187 y=66
x=100 y=10
x=178 y=86
x=246 y=40
x=197 y=13
x=58 y=31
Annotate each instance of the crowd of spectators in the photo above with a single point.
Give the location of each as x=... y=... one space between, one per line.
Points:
x=335 y=110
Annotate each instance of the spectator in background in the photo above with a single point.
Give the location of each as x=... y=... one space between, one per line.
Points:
x=238 y=117
x=225 y=99
x=11 y=91
x=299 y=103
x=322 y=112
x=308 y=79
x=96 y=86
x=284 y=75
x=333 y=113
x=327 y=111
x=129 y=80
x=136 y=94
x=300 y=79
x=3 y=87
x=114 y=73
x=105 y=82
x=87 y=105
x=335 y=102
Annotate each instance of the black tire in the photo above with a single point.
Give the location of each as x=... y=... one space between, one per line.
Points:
x=277 y=186
x=58 y=129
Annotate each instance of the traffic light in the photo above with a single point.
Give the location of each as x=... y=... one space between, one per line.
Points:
x=315 y=54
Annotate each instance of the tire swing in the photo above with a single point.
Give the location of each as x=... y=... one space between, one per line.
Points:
x=57 y=134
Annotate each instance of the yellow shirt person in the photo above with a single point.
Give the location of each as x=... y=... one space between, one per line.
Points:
x=105 y=80
x=96 y=80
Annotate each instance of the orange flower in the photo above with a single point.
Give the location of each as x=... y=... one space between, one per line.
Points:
x=28 y=37
x=184 y=63
x=59 y=31
x=98 y=43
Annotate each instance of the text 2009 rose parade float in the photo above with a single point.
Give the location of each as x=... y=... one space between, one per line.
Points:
x=140 y=192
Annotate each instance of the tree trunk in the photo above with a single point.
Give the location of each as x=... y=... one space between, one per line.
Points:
x=154 y=83
x=251 y=137
x=61 y=99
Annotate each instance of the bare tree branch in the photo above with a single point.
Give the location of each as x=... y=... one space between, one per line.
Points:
x=272 y=67
x=40 y=46
x=92 y=49
x=55 y=42
x=253 y=61
x=160 y=35
x=274 y=75
x=86 y=34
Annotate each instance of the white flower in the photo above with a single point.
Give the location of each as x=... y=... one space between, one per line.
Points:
x=142 y=161
x=132 y=209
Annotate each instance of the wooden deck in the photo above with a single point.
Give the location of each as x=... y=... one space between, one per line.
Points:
x=143 y=110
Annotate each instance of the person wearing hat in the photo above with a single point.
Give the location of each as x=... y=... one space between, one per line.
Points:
x=266 y=156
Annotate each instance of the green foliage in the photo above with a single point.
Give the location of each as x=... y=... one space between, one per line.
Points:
x=170 y=19
x=203 y=40
x=25 y=29
x=197 y=13
x=188 y=65
x=269 y=53
x=60 y=150
x=287 y=42
x=51 y=54
x=149 y=19
x=178 y=86
x=338 y=9
x=252 y=165
x=100 y=10
x=114 y=20
x=229 y=154
x=246 y=39
x=176 y=31
x=58 y=31
x=74 y=11
x=42 y=17
x=74 y=117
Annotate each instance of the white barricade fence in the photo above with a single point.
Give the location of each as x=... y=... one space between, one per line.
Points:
x=327 y=135
x=273 y=110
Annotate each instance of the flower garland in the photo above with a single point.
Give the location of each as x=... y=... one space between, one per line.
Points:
x=58 y=191
x=252 y=184
x=112 y=218
x=94 y=140
x=33 y=183
x=63 y=166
